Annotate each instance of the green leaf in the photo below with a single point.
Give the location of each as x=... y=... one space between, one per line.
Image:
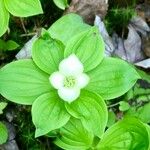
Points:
x=3 y=133
x=2 y=107
x=49 y=113
x=4 y=18
x=74 y=136
x=112 y=78
x=90 y=107
x=24 y=8
x=67 y=27
x=124 y=106
x=88 y=46
x=47 y=53
x=11 y=45
x=62 y=4
x=22 y=82
x=148 y=130
x=2 y=44
x=111 y=118
x=144 y=113
x=127 y=134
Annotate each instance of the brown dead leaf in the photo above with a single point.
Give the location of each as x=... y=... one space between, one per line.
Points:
x=88 y=9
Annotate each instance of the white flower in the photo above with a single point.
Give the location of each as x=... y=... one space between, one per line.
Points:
x=70 y=79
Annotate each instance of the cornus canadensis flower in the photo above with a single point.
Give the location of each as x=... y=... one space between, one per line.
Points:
x=70 y=78
x=62 y=81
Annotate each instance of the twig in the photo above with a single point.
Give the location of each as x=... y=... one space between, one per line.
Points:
x=113 y=105
x=23 y=26
x=28 y=34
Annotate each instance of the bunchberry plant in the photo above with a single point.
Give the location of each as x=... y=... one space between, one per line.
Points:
x=23 y=8
x=67 y=80
x=127 y=134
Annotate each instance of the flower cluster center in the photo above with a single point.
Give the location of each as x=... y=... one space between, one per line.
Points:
x=69 y=82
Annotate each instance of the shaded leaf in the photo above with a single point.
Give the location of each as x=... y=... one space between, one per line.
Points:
x=62 y=4
x=111 y=118
x=3 y=133
x=11 y=45
x=2 y=106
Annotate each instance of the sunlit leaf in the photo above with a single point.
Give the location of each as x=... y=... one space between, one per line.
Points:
x=22 y=82
x=49 y=113
x=24 y=8
x=112 y=78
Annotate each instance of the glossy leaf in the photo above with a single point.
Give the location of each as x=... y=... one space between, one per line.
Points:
x=91 y=109
x=112 y=78
x=74 y=136
x=127 y=134
x=47 y=53
x=66 y=27
x=62 y=4
x=49 y=113
x=4 y=18
x=24 y=8
x=22 y=82
x=88 y=46
x=3 y=133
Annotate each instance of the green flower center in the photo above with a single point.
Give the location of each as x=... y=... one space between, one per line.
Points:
x=69 y=82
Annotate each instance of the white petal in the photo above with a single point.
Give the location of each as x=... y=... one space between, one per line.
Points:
x=71 y=66
x=56 y=79
x=82 y=80
x=68 y=94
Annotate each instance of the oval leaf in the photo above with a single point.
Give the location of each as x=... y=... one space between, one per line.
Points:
x=11 y=45
x=49 y=113
x=71 y=24
x=127 y=134
x=62 y=4
x=47 y=53
x=24 y=8
x=88 y=46
x=3 y=133
x=4 y=18
x=22 y=82
x=90 y=108
x=112 y=78
x=74 y=136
